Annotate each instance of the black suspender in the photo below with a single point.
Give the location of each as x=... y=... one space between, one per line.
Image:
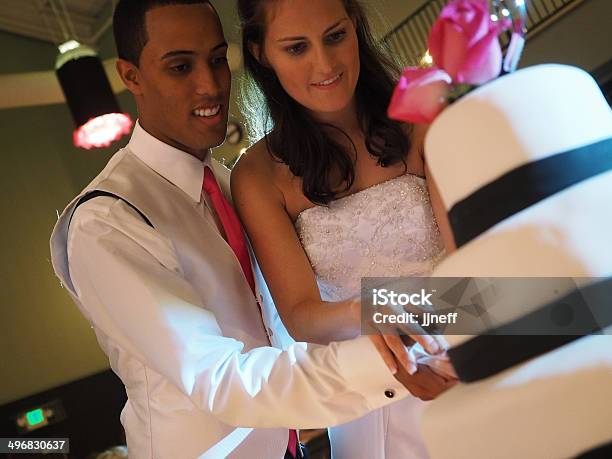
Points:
x=97 y=193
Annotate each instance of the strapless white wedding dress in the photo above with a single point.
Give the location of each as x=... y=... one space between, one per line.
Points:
x=385 y=230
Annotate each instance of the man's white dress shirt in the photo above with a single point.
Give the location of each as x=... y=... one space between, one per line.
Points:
x=172 y=310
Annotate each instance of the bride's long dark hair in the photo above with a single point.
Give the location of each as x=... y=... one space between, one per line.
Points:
x=294 y=137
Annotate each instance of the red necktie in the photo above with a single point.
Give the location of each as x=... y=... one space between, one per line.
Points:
x=236 y=240
x=231 y=224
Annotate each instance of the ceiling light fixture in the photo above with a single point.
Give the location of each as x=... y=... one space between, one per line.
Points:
x=89 y=96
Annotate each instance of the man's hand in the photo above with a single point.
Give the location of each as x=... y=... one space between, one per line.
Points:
x=424 y=383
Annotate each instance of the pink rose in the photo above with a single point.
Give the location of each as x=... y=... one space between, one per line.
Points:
x=464 y=42
x=420 y=95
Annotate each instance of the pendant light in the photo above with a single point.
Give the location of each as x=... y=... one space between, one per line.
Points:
x=88 y=93
x=96 y=113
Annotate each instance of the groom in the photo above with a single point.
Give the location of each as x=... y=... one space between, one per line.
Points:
x=155 y=258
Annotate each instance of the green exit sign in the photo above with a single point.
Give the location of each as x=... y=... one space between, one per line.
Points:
x=35 y=417
x=38 y=417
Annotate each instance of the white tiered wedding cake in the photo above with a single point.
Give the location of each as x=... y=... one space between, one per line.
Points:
x=524 y=168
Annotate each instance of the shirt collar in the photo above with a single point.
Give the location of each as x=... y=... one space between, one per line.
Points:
x=178 y=167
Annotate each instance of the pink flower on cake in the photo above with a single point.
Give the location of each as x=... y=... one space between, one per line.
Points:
x=464 y=42
x=421 y=94
x=466 y=53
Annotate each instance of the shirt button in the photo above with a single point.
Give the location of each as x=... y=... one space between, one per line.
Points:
x=270 y=333
x=389 y=393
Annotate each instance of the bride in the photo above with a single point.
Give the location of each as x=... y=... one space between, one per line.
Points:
x=335 y=191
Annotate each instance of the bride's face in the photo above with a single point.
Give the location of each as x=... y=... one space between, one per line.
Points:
x=312 y=47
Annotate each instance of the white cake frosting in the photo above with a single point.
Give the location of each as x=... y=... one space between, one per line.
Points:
x=516 y=119
x=559 y=404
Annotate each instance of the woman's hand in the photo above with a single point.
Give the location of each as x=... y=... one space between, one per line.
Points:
x=393 y=351
x=410 y=333
x=433 y=344
x=400 y=348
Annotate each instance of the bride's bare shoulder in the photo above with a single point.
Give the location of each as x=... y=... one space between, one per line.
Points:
x=255 y=164
x=257 y=167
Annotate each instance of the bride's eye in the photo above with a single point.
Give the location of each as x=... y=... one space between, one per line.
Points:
x=296 y=49
x=336 y=37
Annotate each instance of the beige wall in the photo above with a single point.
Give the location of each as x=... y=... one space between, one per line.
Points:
x=44 y=341
x=582 y=38
x=394 y=11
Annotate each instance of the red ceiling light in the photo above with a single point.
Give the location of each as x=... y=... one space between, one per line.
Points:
x=90 y=97
x=102 y=131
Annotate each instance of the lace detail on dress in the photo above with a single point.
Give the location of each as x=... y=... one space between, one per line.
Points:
x=385 y=230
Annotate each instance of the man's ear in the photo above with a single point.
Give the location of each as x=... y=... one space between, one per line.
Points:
x=130 y=75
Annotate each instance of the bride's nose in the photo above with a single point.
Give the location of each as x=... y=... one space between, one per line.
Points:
x=323 y=61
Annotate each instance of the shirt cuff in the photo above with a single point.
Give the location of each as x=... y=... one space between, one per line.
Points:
x=367 y=373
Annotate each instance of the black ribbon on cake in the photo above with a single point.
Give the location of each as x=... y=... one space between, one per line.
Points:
x=502 y=347
x=525 y=186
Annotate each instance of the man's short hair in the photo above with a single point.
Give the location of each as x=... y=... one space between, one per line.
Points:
x=129 y=25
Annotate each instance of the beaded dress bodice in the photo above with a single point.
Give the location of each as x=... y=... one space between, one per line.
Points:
x=384 y=230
